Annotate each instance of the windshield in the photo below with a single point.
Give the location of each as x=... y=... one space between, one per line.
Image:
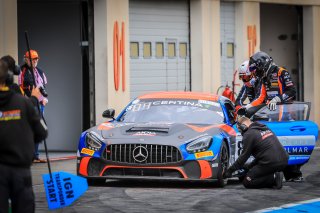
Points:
x=297 y=111
x=173 y=111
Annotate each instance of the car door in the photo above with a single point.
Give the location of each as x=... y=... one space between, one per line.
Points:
x=290 y=122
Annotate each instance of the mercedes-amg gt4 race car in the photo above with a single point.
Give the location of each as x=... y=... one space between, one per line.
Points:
x=183 y=136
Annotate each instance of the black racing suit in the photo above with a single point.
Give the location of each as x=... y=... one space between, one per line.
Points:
x=277 y=83
x=270 y=156
x=20 y=129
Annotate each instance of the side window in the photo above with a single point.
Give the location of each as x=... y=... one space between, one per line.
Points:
x=147 y=49
x=134 y=49
x=159 y=50
x=171 y=50
x=183 y=50
x=230 y=112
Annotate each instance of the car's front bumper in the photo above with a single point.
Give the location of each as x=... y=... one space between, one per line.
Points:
x=184 y=170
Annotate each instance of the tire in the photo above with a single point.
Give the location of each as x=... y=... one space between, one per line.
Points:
x=223 y=165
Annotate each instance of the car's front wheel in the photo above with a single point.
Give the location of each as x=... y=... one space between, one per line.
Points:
x=223 y=164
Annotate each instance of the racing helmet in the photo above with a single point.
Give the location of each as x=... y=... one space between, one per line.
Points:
x=261 y=63
x=244 y=73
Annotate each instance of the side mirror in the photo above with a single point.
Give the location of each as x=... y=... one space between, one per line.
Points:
x=109 y=113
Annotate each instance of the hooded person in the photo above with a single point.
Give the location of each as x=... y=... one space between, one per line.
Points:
x=20 y=128
x=270 y=158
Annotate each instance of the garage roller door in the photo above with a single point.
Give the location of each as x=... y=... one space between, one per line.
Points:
x=159 y=46
x=227 y=34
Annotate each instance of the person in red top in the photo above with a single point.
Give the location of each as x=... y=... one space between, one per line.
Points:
x=276 y=87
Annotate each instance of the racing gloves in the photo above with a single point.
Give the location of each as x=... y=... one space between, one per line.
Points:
x=273 y=103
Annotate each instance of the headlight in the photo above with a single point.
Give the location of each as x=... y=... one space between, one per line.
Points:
x=200 y=144
x=93 y=141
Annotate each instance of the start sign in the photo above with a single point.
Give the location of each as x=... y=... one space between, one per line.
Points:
x=63 y=188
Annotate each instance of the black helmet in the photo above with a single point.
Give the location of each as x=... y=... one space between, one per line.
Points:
x=260 y=61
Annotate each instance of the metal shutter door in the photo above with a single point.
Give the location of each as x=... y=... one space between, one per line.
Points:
x=227 y=34
x=159 y=21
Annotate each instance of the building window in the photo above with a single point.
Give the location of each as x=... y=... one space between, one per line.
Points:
x=159 y=50
x=134 y=49
x=230 y=50
x=183 y=50
x=146 y=49
x=171 y=50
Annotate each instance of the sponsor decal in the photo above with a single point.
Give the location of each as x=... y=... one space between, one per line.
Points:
x=204 y=154
x=265 y=134
x=145 y=133
x=299 y=150
x=303 y=140
x=214 y=165
x=10 y=115
x=87 y=151
x=209 y=103
x=140 y=106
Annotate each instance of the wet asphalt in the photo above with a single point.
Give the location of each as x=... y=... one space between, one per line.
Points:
x=160 y=196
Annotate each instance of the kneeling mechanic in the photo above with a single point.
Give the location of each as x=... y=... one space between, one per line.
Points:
x=270 y=156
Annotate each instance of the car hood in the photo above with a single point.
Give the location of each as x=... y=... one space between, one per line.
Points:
x=155 y=133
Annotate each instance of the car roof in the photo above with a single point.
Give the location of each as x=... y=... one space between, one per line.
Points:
x=181 y=95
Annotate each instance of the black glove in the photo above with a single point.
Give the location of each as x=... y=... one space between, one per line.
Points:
x=227 y=174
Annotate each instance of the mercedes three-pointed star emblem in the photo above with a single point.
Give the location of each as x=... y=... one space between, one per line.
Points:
x=140 y=154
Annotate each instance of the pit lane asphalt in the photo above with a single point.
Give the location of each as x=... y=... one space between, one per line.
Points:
x=155 y=196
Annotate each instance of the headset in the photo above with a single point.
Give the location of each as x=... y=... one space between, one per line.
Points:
x=241 y=113
x=11 y=73
x=242 y=128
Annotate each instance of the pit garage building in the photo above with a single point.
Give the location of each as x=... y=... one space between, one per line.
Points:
x=102 y=53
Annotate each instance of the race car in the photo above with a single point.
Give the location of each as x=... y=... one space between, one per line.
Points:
x=183 y=136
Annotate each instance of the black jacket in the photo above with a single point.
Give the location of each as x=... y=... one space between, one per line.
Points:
x=27 y=79
x=20 y=129
x=260 y=142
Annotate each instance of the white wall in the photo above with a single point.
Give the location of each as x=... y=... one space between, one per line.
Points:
x=8 y=28
x=106 y=13
x=311 y=58
x=205 y=45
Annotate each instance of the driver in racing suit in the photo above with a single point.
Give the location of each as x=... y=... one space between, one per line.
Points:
x=249 y=85
x=276 y=87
